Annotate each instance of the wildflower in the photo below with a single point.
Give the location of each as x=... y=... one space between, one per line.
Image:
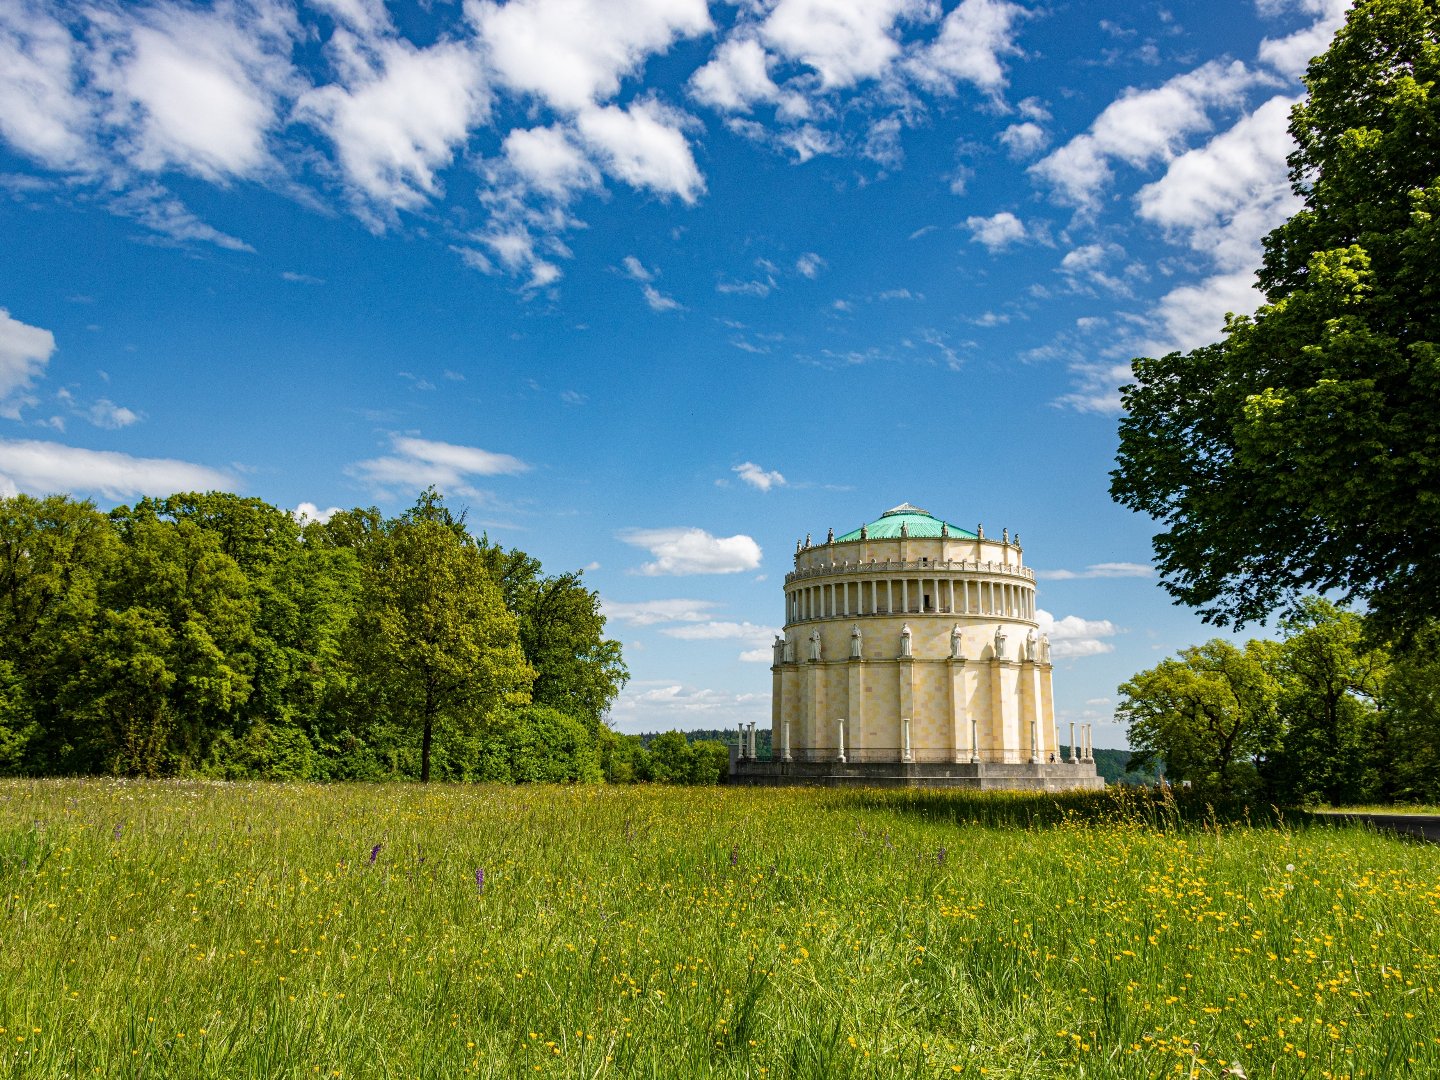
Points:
x=734 y=854
x=374 y=854
x=479 y=879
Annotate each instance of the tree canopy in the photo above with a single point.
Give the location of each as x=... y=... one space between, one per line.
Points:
x=211 y=634
x=1301 y=453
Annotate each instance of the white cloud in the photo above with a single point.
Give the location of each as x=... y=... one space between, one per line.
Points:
x=844 y=41
x=546 y=160
x=418 y=463
x=1141 y=128
x=1099 y=570
x=757 y=477
x=722 y=631
x=651 y=612
x=402 y=115
x=1087 y=264
x=196 y=89
x=738 y=77
x=659 y=301
x=1290 y=55
x=1025 y=139
x=683 y=550
x=307 y=512
x=24 y=352
x=763 y=655
x=996 y=232
x=973 y=38
x=573 y=53
x=1223 y=197
x=661 y=705
x=642 y=145
x=1073 y=636
x=809 y=265
x=41 y=114
x=637 y=270
x=106 y=414
x=44 y=468
x=158 y=210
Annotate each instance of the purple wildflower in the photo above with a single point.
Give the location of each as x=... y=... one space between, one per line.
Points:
x=940 y=856
x=374 y=854
x=479 y=879
x=118 y=830
x=734 y=854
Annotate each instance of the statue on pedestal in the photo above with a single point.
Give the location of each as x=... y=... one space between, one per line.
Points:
x=1032 y=643
x=855 y=641
x=1045 y=648
x=999 y=643
x=814 y=644
x=905 y=641
x=957 y=642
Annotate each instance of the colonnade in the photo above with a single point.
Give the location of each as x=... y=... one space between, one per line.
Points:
x=894 y=596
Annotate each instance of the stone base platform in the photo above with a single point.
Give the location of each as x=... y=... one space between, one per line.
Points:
x=974 y=776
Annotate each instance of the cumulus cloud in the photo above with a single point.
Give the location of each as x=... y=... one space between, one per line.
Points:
x=682 y=550
x=573 y=53
x=972 y=39
x=843 y=41
x=643 y=145
x=1099 y=570
x=41 y=113
x=722 y=631
x=195 y=89
x=307 y=512
x=738 y=77
x=996 y=232
x=547 y=160
x=758 y=477
x=399 y=117
x=418 y=463
x=106 y=414
x=1073 y=636
x=45 y=468
x=1025 y=139
x=1142 y=128
x=1291 y=54
x=24 y=352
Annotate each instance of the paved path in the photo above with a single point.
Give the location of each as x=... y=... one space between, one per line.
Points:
x=1425 y=826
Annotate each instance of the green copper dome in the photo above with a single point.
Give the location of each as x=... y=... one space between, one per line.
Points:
x=917 y=522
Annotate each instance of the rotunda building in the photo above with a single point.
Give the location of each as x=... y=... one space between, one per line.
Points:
x=911 y=653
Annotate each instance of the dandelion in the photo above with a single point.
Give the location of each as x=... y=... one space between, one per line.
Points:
x=374 y=854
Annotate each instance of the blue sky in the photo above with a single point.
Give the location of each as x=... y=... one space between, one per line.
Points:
x=651 y=287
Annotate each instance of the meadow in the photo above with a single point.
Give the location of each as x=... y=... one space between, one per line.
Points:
x=286 y=930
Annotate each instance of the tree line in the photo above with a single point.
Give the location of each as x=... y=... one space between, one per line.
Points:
x=214 y=635
x=1325 y=714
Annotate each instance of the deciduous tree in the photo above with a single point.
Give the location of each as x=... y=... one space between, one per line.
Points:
x=1301 y=453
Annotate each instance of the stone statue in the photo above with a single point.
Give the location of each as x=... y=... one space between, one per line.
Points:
x=904 y=530
x=855 y=641
x=980 y=532
x=814 y=644
x=1017 y=540
x=1044 y=648
x=1005 y=536
x=905 y=640
x=779 y=647
x=830 y=537
x=864 y=535
x=807 y=540
x=1032 y=642
x=944 y=530
x=957 y=651
x=999 y=643
x=789 y=651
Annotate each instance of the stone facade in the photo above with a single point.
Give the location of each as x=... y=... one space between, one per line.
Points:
x=910 y=644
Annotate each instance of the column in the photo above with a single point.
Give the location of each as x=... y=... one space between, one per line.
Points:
x=754 y=754
x=1073 y=757
x=785 y=741
x=905 y=668
x=840 y=740
x=905 y=754
x=741 y=751
x=905 y=594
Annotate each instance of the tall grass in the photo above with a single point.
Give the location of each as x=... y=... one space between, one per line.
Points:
x=196 y=930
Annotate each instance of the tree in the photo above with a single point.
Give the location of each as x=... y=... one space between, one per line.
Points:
x=433 y=638
x=562 y=630
x=1330 y=684
x=1210 y=714
x=1301 y=453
